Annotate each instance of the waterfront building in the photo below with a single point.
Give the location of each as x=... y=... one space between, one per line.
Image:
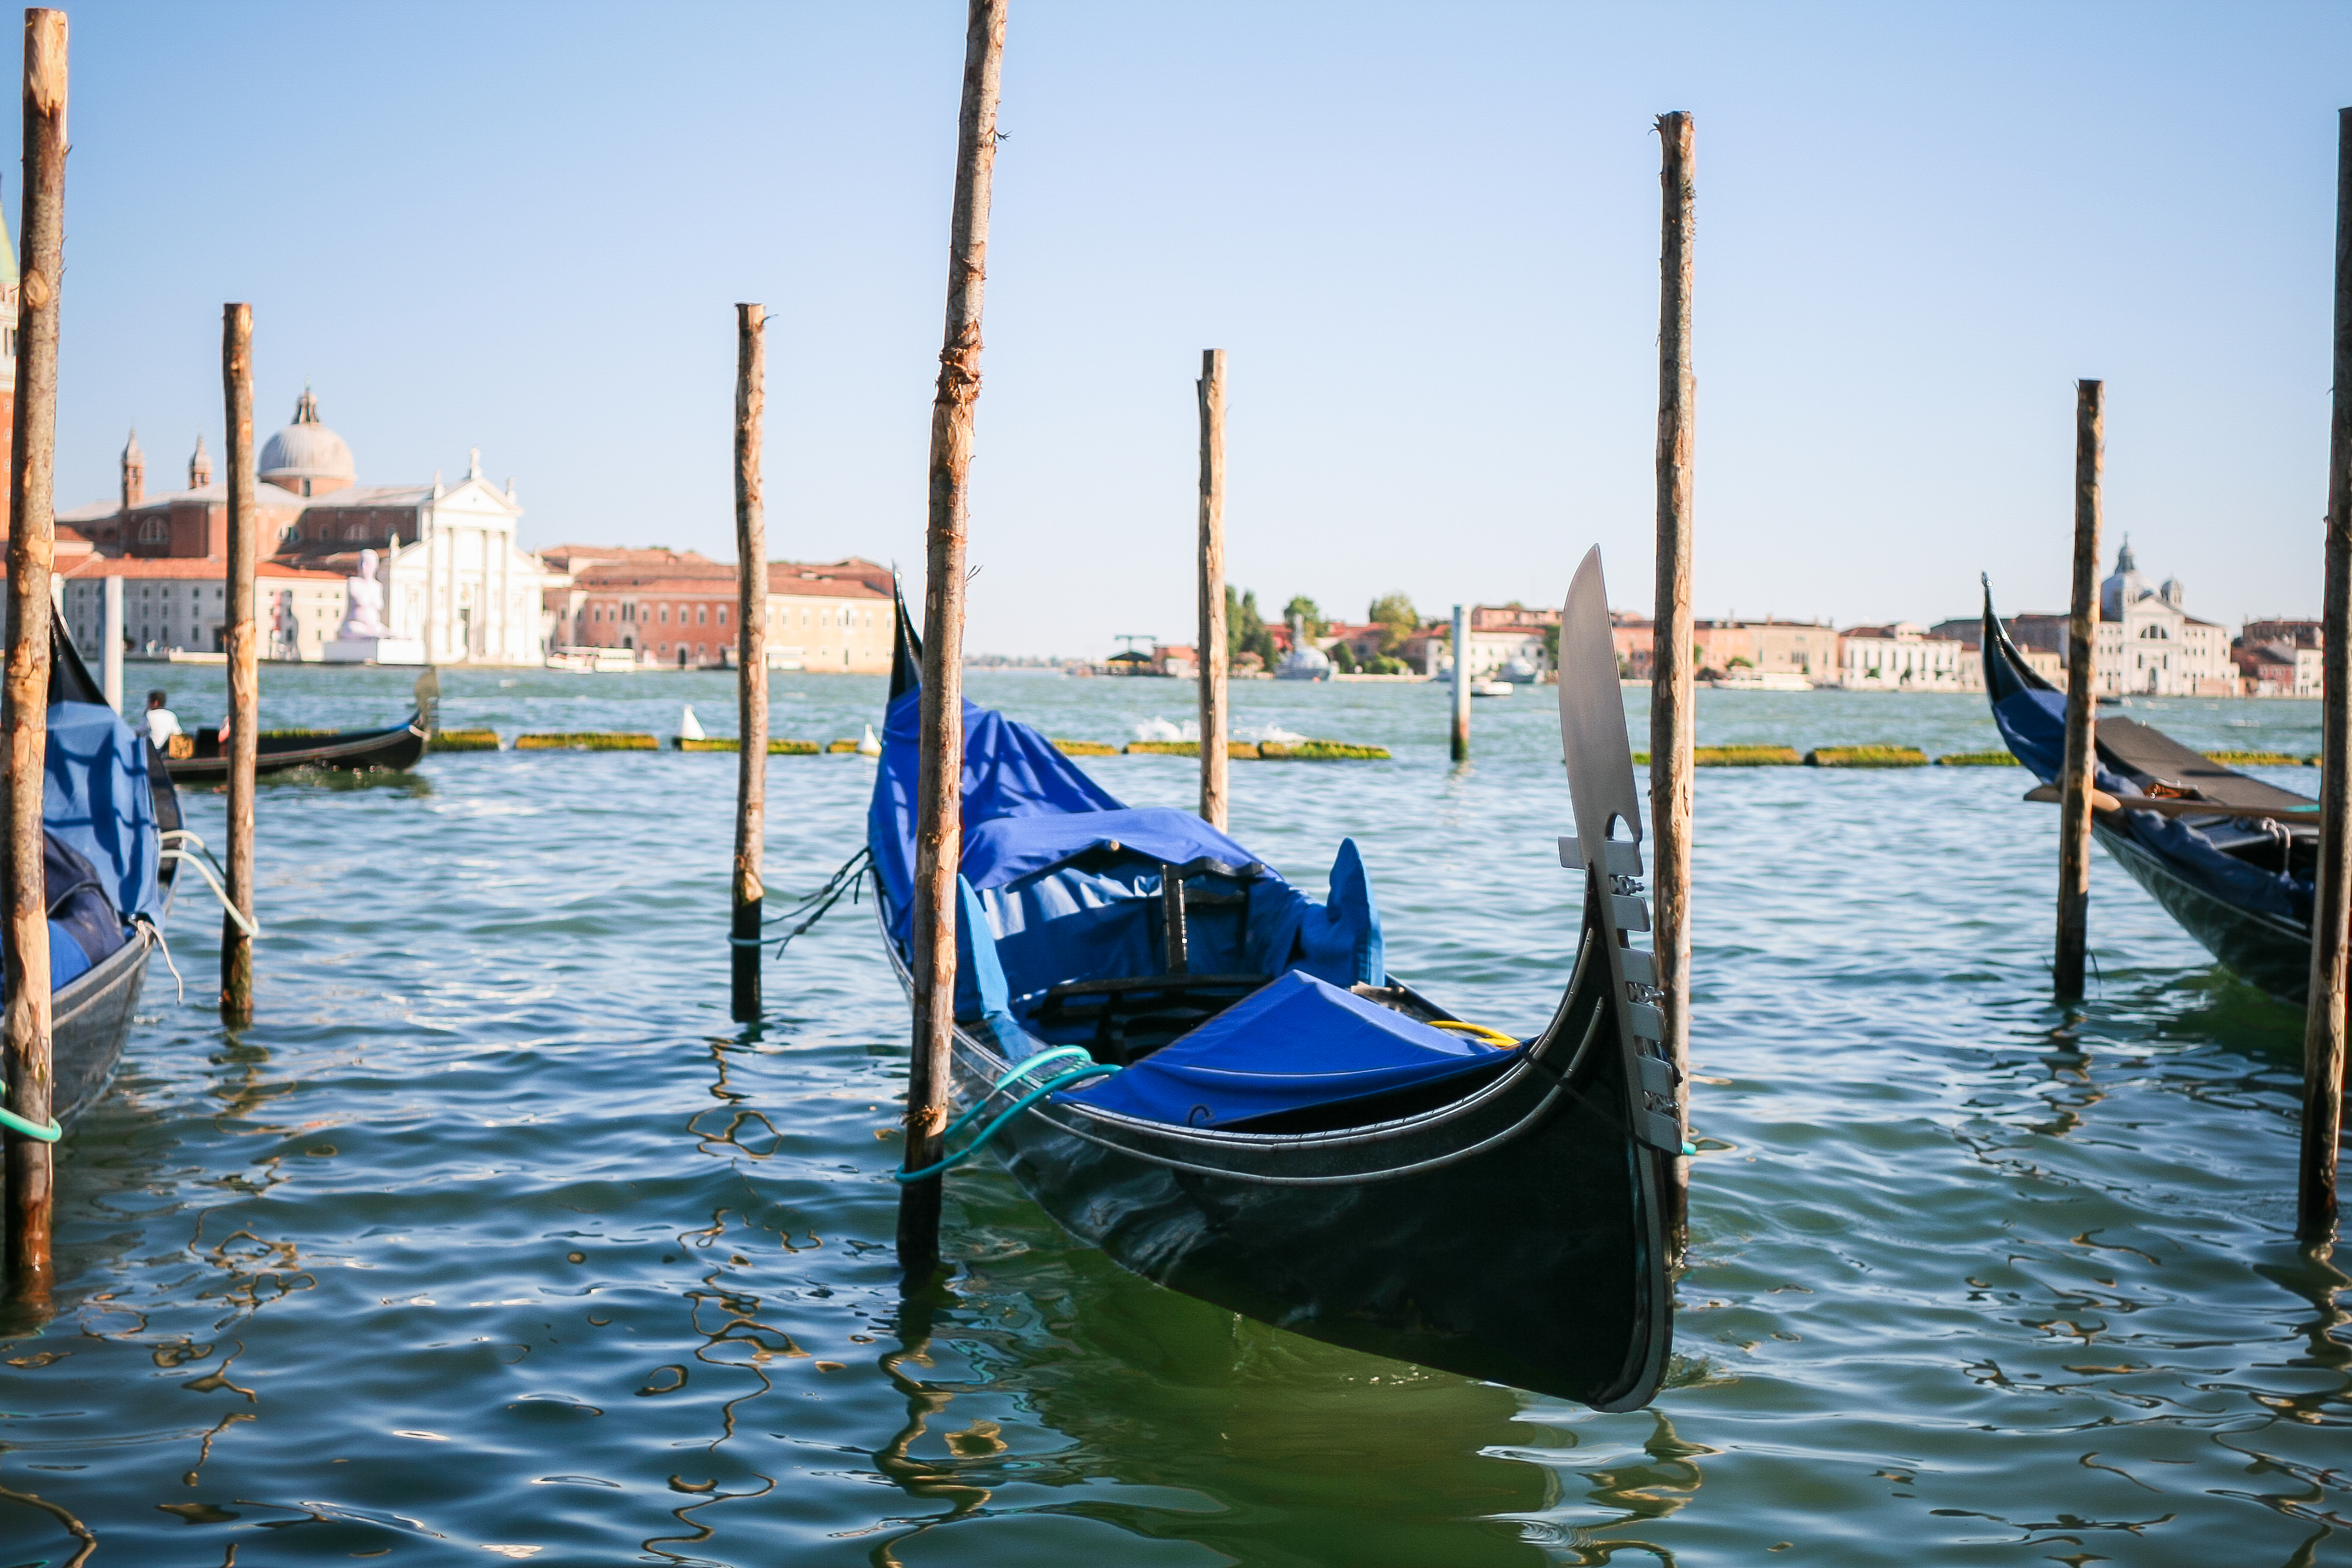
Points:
x=678 y=607
x=1769 y=646
x=2147 y=642
x=1636 y=637
x=180 y=604
x=1498 y=635
x=2280 y=659
x=455 y=579
x=1902 y=657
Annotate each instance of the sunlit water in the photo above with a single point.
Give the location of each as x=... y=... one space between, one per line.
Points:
x=493 y=1234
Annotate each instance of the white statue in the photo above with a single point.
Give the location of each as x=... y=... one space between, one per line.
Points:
x=363 y=613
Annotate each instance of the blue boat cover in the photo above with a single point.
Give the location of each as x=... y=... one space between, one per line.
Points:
x=1296 y=1043
x=1009 y=770
x=1035 y=910
x=96 y=797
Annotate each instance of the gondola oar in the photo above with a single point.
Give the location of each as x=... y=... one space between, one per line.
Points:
x=2176 y=806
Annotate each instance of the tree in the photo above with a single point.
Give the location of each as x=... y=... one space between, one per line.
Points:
x=1304 y=610
x=1343 y=658
x=1246 y=629
x=1397 y=619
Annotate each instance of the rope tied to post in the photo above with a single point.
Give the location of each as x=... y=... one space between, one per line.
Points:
x=842 y=883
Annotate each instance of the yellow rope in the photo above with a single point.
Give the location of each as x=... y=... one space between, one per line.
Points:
x=1475 y=1031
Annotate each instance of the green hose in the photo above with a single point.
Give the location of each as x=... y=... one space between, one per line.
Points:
x=15 y=1123
x=1051 y=1086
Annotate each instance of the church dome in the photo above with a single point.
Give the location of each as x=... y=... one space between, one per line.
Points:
x=306 y=456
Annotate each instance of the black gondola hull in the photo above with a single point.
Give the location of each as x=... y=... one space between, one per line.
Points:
x=394 y=749
x=1512 y=1234
x=92 y=1017
x=2265 y=950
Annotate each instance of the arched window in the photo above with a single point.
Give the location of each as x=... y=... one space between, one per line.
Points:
x=155 y=529
x=2153 y=630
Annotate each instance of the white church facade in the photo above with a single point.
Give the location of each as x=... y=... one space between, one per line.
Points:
x=2148 y=643
x=459 y=588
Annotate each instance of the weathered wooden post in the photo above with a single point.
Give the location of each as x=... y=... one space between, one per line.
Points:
x=2323 y=1019
x=2082 y=714
x=1461 y=684
x=25 y=695
x=111 y=658
x=244 y=672
x=1211 y=660
x=1672 y=722
x=750 y=657
x=938 y=827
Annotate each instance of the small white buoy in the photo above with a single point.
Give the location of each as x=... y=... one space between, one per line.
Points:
x=689 y=728
x=869 y=746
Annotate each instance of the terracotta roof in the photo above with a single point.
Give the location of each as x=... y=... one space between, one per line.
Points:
x=182 y=567
x=780 y=586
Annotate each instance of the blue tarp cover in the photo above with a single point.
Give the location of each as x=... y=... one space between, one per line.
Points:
x=1012 y=848
x=1296 y=1043
x=1009 y=770
x=96 y=797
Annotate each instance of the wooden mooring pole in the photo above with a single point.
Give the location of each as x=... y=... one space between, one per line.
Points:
x=2082 y=714
x=1673 y=694
x=2323 y=1019
x=939 y=824
x=750 y=658
x=25 y=696
x=1461 y=684
x=244 y=672
x=1212 y=659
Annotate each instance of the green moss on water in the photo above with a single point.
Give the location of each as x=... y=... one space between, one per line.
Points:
x=1978 y=760
x=735 y=743
x=464 y=741
x=2262 y=759
x=1084 y=748
x=1320 y=752
x=587 y=741
x=1866 y=757
x=1265 y=750
x=295 y=734
x=1734 y=757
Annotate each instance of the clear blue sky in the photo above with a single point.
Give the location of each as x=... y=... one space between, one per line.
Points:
x=1426 y=234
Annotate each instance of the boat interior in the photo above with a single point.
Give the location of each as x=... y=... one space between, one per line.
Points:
x=2158 y=765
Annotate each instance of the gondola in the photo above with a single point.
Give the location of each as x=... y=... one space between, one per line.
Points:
x=114 y=842
x=1244 y=1105
x=395 y=749
x=2238 y=877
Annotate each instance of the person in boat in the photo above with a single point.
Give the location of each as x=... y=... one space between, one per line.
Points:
x=161 y=723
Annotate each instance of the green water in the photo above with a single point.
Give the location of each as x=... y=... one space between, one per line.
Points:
x=494 y=1237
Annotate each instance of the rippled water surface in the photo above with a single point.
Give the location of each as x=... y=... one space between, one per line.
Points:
x=493 y=1235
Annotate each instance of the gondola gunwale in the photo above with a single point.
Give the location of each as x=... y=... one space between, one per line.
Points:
x=1512 y=1077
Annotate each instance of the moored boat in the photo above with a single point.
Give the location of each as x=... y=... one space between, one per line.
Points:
x=1193 y=1066
x=2229 y=857
x=112 y=827
x=394 y=748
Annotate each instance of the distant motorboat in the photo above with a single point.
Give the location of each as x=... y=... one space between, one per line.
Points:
x=594 y=660
x=1519 y=672
x=1784 y=680
x=1491 y=687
